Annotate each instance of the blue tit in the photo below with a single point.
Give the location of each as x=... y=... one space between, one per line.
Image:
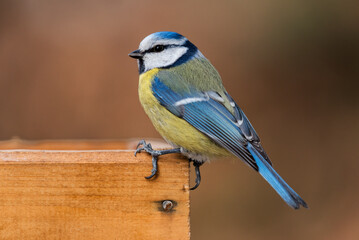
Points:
x=183 y=95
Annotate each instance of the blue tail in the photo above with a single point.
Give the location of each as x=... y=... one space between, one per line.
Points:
x=273 y=178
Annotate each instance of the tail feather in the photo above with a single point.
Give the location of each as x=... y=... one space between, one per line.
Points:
x=273 y=178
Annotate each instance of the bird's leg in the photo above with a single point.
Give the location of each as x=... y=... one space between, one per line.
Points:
x=196 y=165
x=154 y=153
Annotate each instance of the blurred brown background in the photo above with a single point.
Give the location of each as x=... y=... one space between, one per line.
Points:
x=292 y=66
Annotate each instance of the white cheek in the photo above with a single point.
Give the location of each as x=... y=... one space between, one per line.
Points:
x=163 y=59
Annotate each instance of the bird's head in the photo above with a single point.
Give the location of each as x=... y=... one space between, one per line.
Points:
x=163 y=50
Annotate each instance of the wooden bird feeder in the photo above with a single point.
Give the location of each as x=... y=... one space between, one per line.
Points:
x=91 y=190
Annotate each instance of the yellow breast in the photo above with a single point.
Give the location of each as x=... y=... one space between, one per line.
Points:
x=175 y=130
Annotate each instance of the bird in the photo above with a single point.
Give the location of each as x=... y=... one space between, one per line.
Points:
x=184 y=97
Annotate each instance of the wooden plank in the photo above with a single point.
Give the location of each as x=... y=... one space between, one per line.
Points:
x=17 y=143
x=91 y=195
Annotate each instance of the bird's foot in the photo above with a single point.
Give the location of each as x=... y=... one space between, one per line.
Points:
x=146 y=147
x=154 y=153
x=198 y=173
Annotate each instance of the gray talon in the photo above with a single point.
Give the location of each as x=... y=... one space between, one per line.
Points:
x=154 y=153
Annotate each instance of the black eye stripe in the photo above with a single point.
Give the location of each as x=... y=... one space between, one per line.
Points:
x=164 y=47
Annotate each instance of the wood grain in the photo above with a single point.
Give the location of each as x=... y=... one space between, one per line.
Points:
x=91 y=195
x=17 y=143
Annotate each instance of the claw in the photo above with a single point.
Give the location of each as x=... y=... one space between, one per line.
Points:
x=154 y=168
x=198 y=174
x=143 y=143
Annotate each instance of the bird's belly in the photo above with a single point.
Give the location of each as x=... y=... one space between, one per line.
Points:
x=173 y=129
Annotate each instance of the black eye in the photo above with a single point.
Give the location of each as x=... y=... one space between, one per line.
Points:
x=158 y=48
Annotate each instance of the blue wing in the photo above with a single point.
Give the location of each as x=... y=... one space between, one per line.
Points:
x=231 y=131
x=209 y=116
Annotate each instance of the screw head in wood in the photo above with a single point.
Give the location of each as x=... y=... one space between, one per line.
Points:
x=167 y=205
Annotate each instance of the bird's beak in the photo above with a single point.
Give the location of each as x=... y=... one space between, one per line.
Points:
x=136 y=54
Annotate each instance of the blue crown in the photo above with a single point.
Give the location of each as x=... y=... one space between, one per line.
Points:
x=168 y=35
